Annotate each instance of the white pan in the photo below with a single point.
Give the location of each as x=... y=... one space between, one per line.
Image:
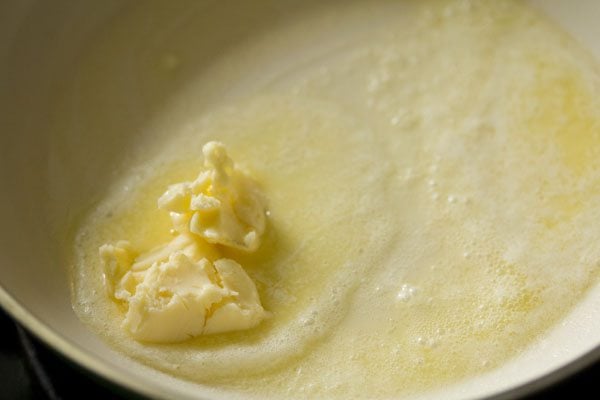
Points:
x=48 y=176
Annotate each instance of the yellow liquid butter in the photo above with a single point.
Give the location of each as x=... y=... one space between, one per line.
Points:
x=432 y=192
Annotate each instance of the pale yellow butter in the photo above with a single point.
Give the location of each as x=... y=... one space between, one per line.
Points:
x=222 y=206
x=180 y=299
x=183 y=288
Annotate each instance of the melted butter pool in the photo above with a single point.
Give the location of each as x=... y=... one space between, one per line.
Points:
x=432 y=188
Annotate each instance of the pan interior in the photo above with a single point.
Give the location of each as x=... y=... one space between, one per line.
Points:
x=56 y=169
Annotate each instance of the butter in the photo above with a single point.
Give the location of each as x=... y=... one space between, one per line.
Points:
x=222 y=206
x=183 y=288
x=179 y=299
x=117 y=260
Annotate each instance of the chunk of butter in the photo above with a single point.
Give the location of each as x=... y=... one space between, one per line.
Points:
x=183 y=288
x=222 y=206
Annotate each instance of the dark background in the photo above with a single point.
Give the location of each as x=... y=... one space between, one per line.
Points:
x=28 y=370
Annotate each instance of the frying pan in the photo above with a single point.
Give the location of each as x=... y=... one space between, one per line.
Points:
x=50 y=172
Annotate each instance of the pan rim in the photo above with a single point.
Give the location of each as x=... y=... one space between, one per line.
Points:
x=150 y=389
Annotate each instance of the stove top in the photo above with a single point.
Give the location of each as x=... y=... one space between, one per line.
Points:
x=31 y=371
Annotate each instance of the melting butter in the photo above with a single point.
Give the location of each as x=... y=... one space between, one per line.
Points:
x=430 y=186
x=222 y=206
x=173 y=292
